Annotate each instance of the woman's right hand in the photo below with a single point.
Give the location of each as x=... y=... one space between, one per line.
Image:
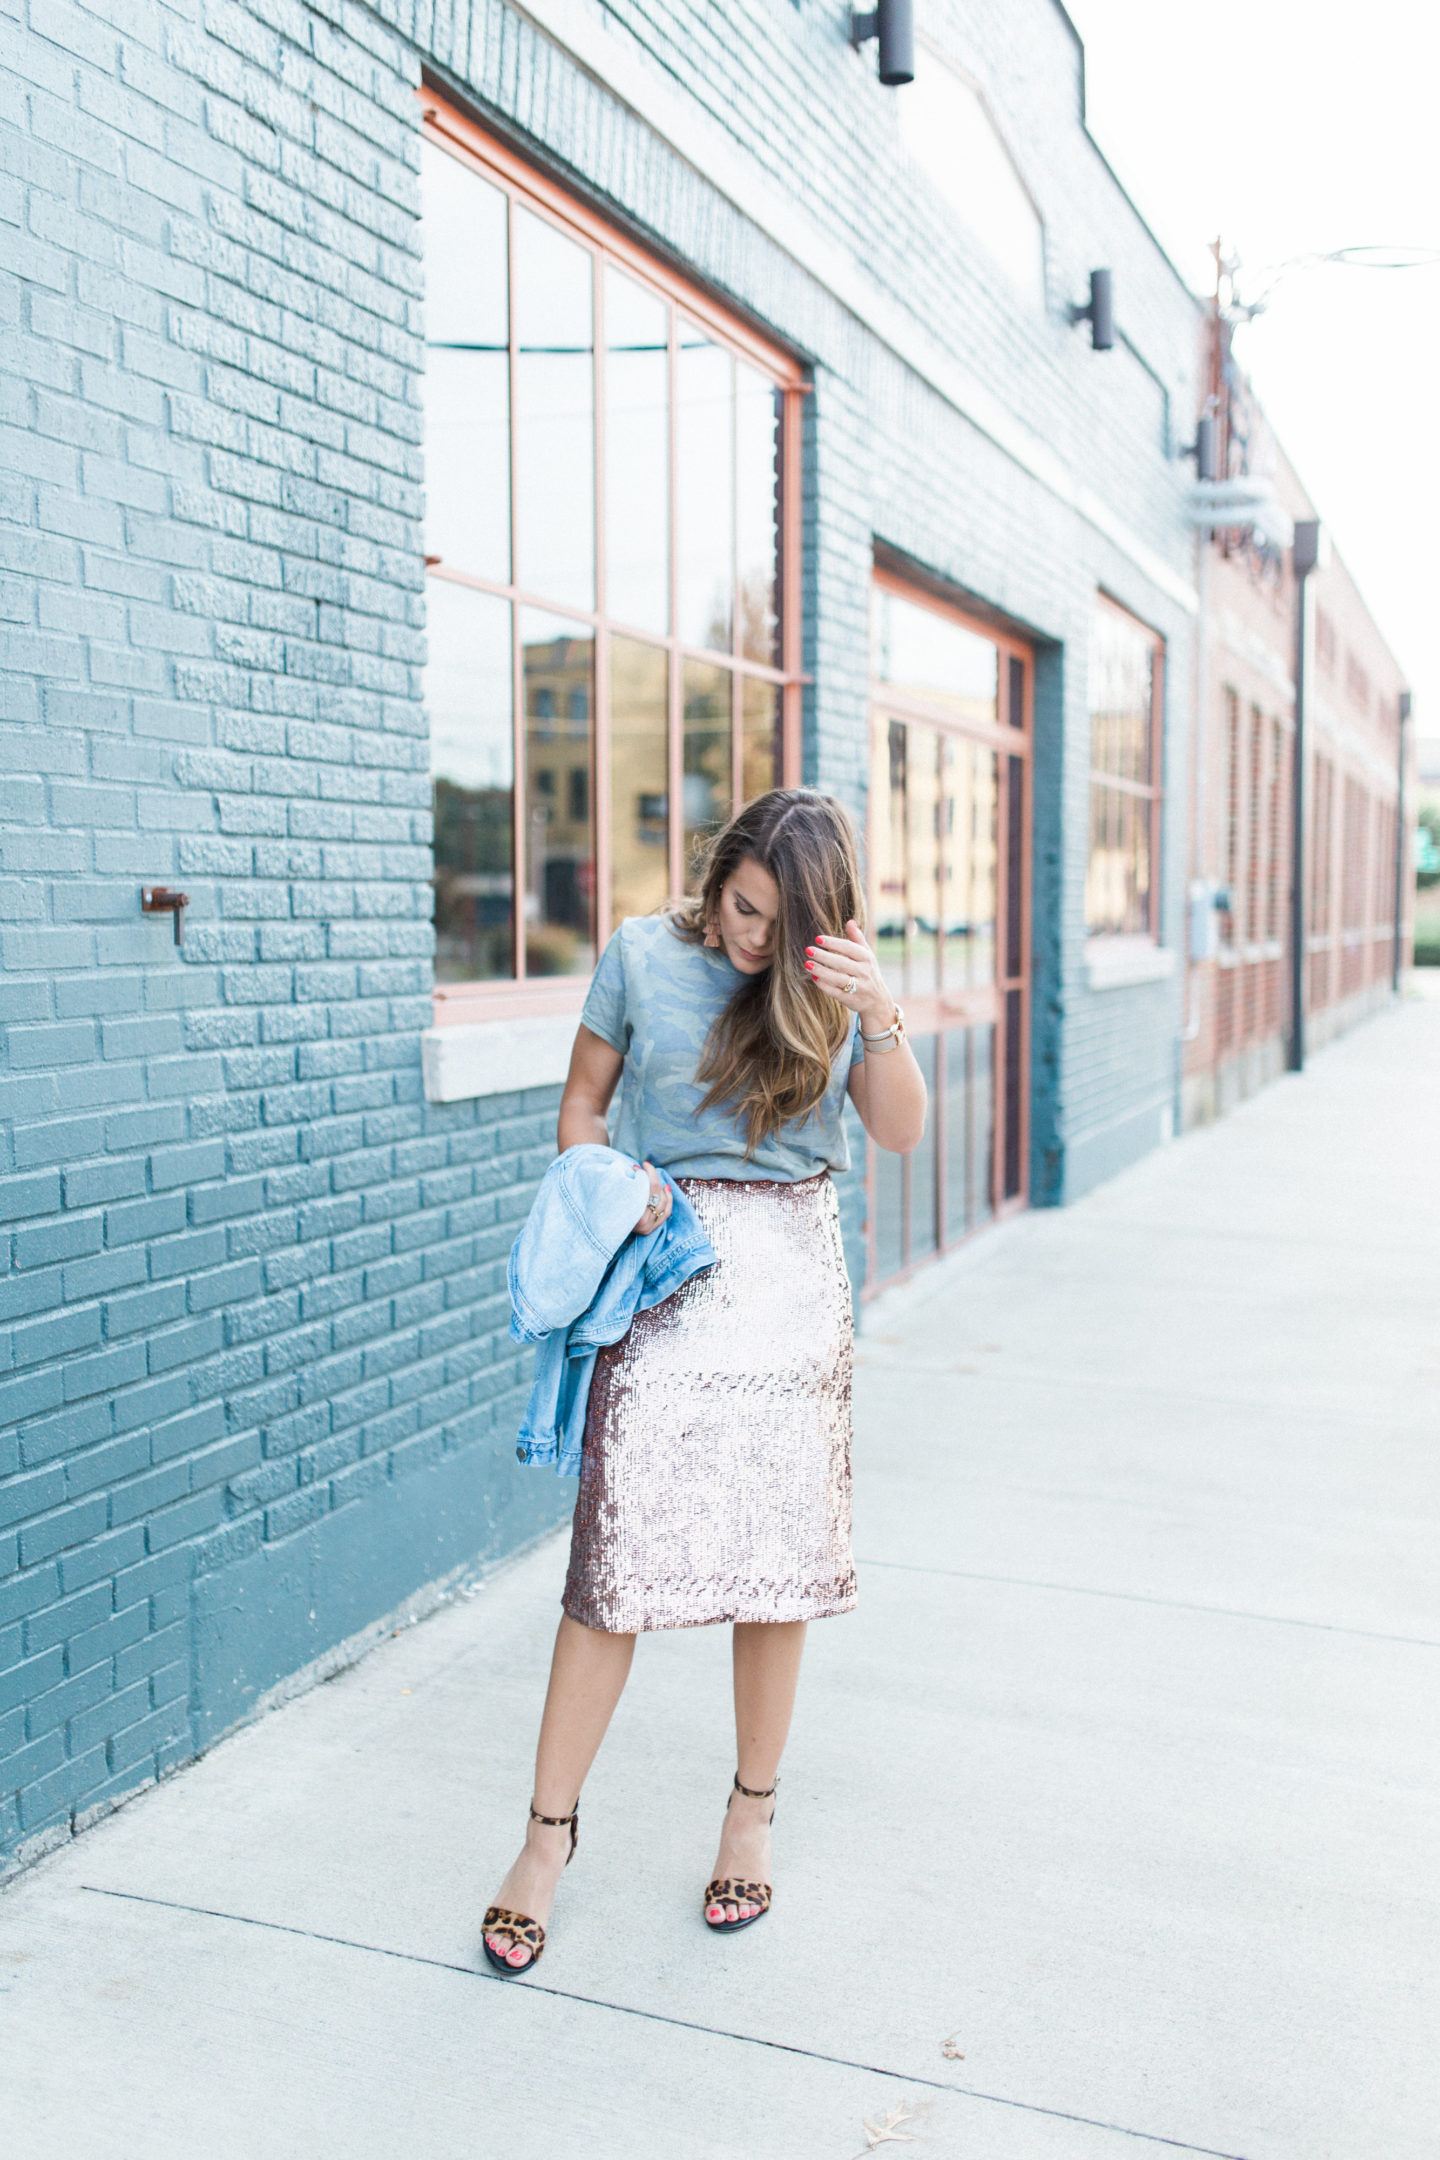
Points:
x=657 y=1207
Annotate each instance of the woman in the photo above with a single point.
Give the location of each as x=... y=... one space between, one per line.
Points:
x=715 y=1480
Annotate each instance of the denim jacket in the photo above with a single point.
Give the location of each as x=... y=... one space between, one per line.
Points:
x=579 y=1275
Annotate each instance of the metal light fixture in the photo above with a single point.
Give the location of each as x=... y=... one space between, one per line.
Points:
x=1205 y=448
x=893 y=23
x=1099 y=312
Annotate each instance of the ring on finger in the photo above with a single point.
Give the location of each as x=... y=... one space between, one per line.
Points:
x=849 y=988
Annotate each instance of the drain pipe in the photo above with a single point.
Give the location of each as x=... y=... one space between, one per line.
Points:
x=1310 y=551
x=1199 y=775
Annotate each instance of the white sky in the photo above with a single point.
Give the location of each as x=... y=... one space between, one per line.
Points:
x=1291 y=127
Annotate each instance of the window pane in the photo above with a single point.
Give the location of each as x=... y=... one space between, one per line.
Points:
x=467 y=461
x=1138 y=863
x=917 y=649
x=1013 y=1108
x=639 y=787
x=959 y=1107
x=923 y=881
x=472 y=761
x=982 y=1124
x=705 y=505
x=707 y=784
x=1117 y=883
x=1122 y=682
x=922 y=1162
x=757 y=477
x=555 y=417
x=637 y=455
x=1104 y=878
x=889 y=1212
x=1123 y=660
x=558 y=658
x=760 y=752
x=887 y=827
x=467 y=369
x=984 y=861
x=968 y=813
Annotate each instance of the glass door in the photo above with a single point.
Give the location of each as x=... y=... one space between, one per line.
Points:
x=949 y=877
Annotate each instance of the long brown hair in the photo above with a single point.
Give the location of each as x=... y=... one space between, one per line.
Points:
x=769 y=1054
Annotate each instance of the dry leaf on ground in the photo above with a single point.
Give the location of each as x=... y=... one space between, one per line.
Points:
x=949 y=2050
x=889 y=2132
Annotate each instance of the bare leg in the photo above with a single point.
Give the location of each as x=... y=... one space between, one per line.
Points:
x=767 y=1668
x=587 y=1676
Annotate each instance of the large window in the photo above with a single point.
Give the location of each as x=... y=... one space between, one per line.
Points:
x=948 y=889
x=1126 y=690
x=610 y=535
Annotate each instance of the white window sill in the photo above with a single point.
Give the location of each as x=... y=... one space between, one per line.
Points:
x=1113 y=963
x=496 y=1057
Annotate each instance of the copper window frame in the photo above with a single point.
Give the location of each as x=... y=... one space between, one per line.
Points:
x=524 y=184
x=1154 y=789
x=945 y=1011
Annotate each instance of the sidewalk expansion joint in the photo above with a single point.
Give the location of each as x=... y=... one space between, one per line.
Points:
x=658 y=2017
x=1138 y=1597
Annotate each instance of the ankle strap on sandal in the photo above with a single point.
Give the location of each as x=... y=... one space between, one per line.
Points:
x=750 y=1794
x=556 y=1822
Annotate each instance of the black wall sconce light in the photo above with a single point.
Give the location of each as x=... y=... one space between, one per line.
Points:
x=1099 y=311
x=1206 y=447
x=893 y=23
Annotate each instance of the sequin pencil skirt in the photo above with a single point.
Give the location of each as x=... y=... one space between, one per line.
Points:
x=715 y=1480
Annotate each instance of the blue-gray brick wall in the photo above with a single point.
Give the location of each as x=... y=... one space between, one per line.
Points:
x=255 y=1386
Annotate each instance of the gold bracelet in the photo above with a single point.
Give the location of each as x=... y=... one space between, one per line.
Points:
x=894 y=1035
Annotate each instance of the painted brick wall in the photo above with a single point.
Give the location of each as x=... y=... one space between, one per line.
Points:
x=254 y=1382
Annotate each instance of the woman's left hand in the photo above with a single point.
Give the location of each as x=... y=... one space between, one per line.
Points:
x=847 y=970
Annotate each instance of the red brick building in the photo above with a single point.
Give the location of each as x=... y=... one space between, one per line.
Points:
x=1238 y=1007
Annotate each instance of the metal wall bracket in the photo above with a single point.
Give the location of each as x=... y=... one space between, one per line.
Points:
x=160 y=900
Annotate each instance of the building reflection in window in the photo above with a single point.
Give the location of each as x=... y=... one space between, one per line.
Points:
x=558 y=659
x=639 y=765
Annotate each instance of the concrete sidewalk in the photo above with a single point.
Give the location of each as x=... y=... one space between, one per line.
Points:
x=1118 y=1781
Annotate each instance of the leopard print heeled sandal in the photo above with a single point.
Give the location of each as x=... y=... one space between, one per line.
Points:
x=731 y=1889
x=500 y=1920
